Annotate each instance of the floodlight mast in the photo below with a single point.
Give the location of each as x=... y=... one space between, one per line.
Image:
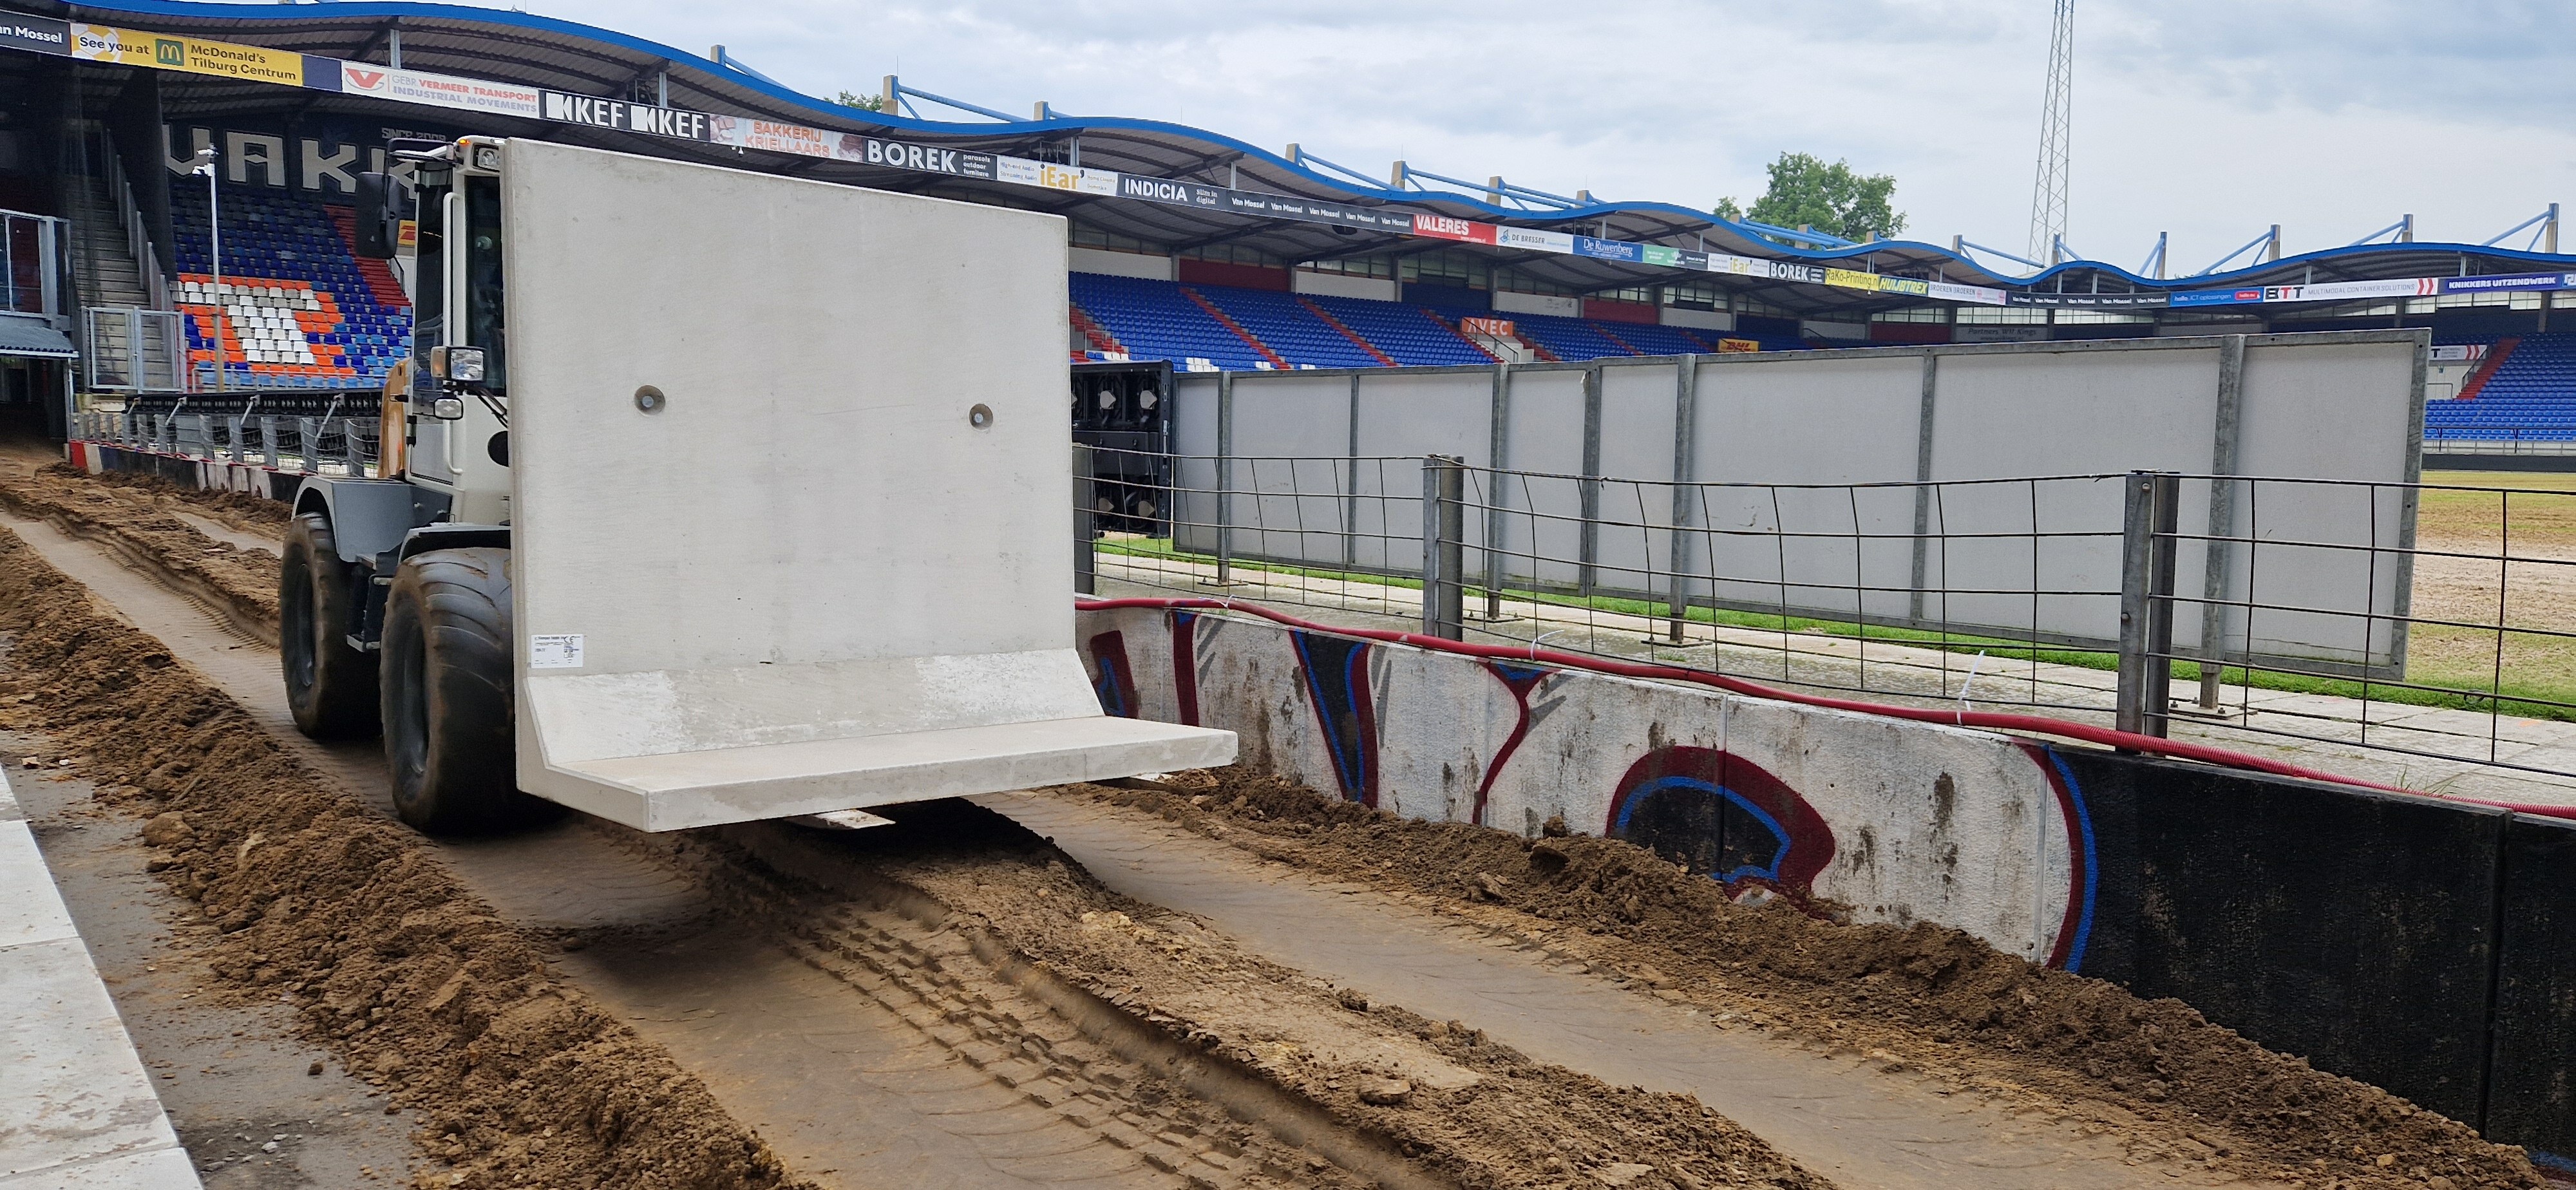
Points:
x=2048 y=190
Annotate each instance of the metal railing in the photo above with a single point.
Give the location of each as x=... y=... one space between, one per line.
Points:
x=2449 y=440
x=331 y=444
x=129 y=216
x=124 y=349
x=2311 y=620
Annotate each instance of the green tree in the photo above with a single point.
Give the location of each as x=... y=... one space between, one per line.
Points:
x=1806 y=192
x=874 y=103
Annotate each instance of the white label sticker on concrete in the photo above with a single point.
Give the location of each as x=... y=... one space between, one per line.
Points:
x=560 y=651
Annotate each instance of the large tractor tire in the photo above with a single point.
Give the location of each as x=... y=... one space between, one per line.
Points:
x=449 y=737
x=330 y=687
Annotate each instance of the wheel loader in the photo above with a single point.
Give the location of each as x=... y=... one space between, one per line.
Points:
x=706 y=495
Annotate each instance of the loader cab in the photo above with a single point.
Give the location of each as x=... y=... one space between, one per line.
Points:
x=456 y=414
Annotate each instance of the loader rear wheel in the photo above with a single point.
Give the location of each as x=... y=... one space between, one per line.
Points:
x=330 y=687
x=449 y=737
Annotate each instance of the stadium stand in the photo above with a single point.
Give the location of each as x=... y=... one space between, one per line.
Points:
x=1288 y=328
x=1155 y=320
x=1569 y=338
x=1408 y=335
x=1221 y=327
x=2526 y=392
x=300 y=310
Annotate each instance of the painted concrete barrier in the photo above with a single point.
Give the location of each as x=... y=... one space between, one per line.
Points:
x=2426 y=945
x=1901 y=822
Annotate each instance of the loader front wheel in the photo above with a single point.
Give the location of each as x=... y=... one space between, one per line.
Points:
x=449 y=736
x=330 y=687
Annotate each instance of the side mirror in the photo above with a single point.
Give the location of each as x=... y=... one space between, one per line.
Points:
x=384 y=202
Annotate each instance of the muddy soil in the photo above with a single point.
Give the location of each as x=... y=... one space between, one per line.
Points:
x=322 y=906
x=254 y=1104
x=452 y=1008
x=142 y=517
x=1927 y=997
x=1438 y=1094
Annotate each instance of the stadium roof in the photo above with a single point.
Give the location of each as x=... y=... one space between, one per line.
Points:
x=531 y=50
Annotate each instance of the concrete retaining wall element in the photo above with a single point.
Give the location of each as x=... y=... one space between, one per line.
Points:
x=1902 y=822
x=2424 y=945
x=2531 y=1096
x=2343 y=406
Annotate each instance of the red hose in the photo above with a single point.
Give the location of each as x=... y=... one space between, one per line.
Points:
x=1996 y=720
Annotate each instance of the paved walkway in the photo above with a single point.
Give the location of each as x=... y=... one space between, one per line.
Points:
x=2433 y=749
x=77 y=1110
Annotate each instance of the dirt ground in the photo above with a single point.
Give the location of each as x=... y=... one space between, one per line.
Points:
x=1476 y=1113
x=2536 y=520
x=308 y=899
x=431 y=996
x=320 y=904
x=1932 y=998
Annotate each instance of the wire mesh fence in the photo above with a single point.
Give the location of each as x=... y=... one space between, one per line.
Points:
x=2285 y=614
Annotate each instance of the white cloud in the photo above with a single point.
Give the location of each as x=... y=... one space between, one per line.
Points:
x=2209 y=120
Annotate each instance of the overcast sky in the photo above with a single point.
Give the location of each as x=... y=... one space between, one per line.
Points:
x=2204 y=118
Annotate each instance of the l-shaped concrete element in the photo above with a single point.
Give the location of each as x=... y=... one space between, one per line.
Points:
x=77 y=1111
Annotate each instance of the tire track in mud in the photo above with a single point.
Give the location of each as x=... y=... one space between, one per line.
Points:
x=854 y=1074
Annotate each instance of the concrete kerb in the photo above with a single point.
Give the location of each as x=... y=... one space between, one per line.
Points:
x=77 y=1110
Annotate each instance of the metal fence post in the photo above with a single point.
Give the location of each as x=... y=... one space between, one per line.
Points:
x=1589 y=487
x=1444 y=589
x=1085 y=526
x=1677 y=554
x=2150 y=512
x=1499 y=452
x=2218 y=568
x=1224 y=479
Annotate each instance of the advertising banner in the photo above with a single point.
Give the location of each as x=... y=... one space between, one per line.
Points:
x=618 y=114
x=1446 y=227
x=2204 y=297
x=2509 y=282
x=1047 y=175
x=1678 y=258
x=1732 y=346
x=1977 y=294
x=434 y=90
x=37 y=34
x=2336 y=291
x=1534 y=240
x=126 y=47
x=1496 y=328
x=1600 y=249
